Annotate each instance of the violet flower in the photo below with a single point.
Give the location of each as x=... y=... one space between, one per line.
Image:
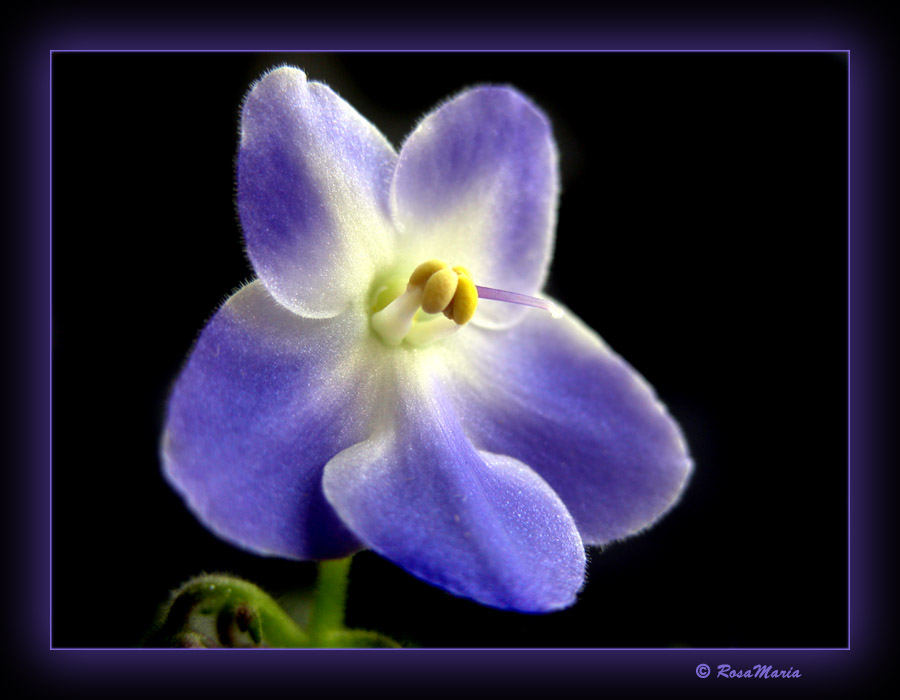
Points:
x=322 y=411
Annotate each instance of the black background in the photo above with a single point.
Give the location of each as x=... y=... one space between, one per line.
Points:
x=702 y=232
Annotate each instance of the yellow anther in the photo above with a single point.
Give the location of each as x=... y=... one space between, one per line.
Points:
x=405 y=311
x=465 y=300
x=439 y=291
x=424 y=271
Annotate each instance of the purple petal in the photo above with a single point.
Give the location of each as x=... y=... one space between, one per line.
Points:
x=476 y=185
x=479 y=525
x=313 y=179
x=264 y=401
x=550 y=393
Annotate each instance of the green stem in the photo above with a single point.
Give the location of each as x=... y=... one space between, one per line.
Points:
x=329 y=602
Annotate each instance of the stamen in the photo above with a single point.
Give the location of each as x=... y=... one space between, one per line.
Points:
x=429 y=331
x=523 y=299
x=387 y=294
x=439 y=291
x=394 y=321
x=464 y=301
x=421 y=274
x=434 y=288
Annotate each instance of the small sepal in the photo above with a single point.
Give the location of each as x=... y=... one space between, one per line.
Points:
x=221 y=611
x=216 y=610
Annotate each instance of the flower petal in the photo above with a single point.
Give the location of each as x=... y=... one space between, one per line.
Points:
x=264 y=401
x=313 y=178
x=476 y=185
x=551 y=393
x=479 y=525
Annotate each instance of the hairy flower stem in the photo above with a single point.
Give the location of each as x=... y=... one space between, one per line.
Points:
x=329 y=602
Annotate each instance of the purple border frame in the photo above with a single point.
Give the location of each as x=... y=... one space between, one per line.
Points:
x=449 y=670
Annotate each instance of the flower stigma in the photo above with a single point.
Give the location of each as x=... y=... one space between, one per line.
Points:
x=435 y=302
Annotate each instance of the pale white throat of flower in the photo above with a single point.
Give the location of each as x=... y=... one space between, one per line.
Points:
x=435 y=302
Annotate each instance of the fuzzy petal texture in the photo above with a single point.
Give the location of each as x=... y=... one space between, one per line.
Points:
x=264 y=401
x=480 y=525
x=551 y=393
x=482 y=463
x=313 y=181
x=477 y=185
